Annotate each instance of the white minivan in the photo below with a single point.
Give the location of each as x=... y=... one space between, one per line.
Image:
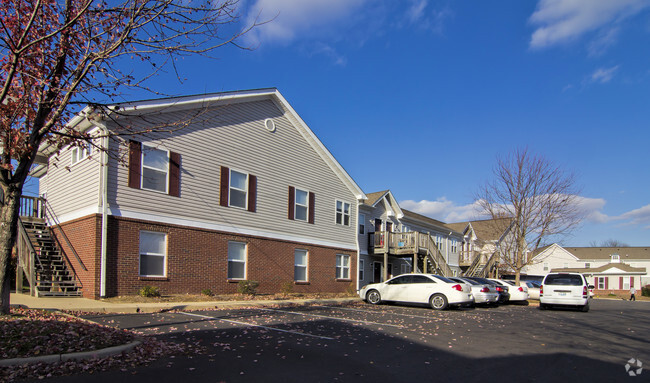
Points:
x=564 y=289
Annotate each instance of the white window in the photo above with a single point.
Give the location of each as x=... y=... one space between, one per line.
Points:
x=601 y=283
x=405 y=229
x=300 y=265
x=238 y=189
x=454 y=246
x=362 y=224
x=236 y=260
x=439 y=241
x=545 y=266
x=362 y=265
x=153 y=254
x=342 y=266
x=616 y=258
x=155 y=165
x=302 y=205
x=587 y=265
x=81 y=152
x=626 y=283
x=342 y=213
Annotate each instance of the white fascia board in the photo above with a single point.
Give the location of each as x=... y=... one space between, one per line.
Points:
x=228 y=229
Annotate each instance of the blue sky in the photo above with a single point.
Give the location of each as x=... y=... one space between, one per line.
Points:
x=419 y=96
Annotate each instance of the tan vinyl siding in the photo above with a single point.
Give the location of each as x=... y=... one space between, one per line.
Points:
x=234 y=136
x=71 y=189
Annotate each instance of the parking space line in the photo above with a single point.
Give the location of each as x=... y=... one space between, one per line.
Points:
x=380 y=312
x=256 y=325
x=335 y=318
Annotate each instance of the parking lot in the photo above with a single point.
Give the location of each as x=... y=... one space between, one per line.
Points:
x=360 y=342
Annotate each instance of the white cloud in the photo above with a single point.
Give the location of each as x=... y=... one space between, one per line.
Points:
x=420 y=15
x=591 y=209
x=291 y=18
x=640 y=216
x=562 y=21
x=603 y=75
x=442 y=209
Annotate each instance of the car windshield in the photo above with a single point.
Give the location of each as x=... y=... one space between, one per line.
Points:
x=563 y=280
x=471 y=282
x=483 y=281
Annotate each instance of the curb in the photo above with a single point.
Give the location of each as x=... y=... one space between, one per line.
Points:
x=102 y=353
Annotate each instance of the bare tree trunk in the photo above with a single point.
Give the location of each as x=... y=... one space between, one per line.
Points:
x=8 y=230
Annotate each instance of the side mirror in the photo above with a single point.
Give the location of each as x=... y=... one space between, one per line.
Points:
x=591 y=286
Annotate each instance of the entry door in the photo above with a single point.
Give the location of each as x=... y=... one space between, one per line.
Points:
x=377 y=272
x=377 y=224
x=389 y=226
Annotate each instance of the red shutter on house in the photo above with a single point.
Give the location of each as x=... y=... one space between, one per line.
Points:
x=631 y=282
x=595 y=282
x=606 y=282
x=174 y=174
x=225 y=184
x=252 y=193
x=135 y=164
x=312 y=200
x=620 y=281
x=292 y=202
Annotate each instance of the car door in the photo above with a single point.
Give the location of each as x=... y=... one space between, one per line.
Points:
x=397 y=288
x=422 y=287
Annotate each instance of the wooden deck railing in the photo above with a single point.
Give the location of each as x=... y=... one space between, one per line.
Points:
x=413 y=242
x=32 y=207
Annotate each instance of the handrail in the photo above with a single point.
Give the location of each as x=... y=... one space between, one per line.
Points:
x=48 y=211
x=31 y=207
x=24 y=245
x=473 y=267
x=488 y=265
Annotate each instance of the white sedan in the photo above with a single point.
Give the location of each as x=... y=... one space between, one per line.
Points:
x=434 y=290
x=517 y=293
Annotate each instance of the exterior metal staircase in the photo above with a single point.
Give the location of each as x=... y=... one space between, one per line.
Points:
x=42 y=260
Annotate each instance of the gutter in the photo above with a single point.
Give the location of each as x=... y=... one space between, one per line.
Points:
x=103 y=195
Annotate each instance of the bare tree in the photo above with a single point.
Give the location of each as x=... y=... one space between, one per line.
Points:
x=60 y=55
x=540 y=199
x=609 y=243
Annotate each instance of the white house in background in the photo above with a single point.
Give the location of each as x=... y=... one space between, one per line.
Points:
x=392 y=239
x=607 y=268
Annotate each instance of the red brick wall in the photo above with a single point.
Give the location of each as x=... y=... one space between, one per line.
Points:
x=85 y=236
x=197 y=259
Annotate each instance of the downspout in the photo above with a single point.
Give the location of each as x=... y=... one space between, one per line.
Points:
x=104 y=210
x=356 y=236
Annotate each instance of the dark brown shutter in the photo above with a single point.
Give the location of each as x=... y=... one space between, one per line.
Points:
x=631 y=282
x=312 y=200
x=292 y=202
x=252 y=193
x=174 y=174
x=606 y=282
x=596 y=283
x=620 y=282
x=225 y=185
x=135 y=164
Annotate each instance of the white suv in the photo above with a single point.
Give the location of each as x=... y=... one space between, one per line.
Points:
x=564 y=289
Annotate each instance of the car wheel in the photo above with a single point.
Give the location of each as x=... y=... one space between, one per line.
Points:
x=543 y=306
x=438 y=302
x=585 y=308
x=373 y=297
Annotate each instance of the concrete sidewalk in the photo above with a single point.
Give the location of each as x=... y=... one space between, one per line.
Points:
x=90 y=305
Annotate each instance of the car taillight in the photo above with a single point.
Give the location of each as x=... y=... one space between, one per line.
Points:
x=457 y=287
x=541 y=290
x=485 y=290
x=521 y=289
x=585 y=292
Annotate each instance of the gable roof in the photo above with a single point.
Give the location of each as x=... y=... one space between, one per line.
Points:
x=372 y=199
x=87 y=118
x=486 y=230
x=429 y=221
x=624 y=267
x=605 y=253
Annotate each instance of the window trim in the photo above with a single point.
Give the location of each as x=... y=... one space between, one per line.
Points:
x=344 y=267
x=246 y=191
x=245 y=261
x=84 y=151
x=362 y=269
x=343 y=215
x=143 y=166
x=306 y=265
x=140 y=253
x=362 y=224
x=296 y=204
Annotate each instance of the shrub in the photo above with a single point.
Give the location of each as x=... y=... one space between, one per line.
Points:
x=207 y=292
x=286 y=288
x=645 y=291
x=247 y=287
x=149 y=292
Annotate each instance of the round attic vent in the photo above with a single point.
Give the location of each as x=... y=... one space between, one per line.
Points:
x=270 y=125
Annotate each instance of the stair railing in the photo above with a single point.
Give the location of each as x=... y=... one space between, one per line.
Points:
x=473 y=267
x=49 y=214
x=27 y=258
x=488 y=265
x=438 y=260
